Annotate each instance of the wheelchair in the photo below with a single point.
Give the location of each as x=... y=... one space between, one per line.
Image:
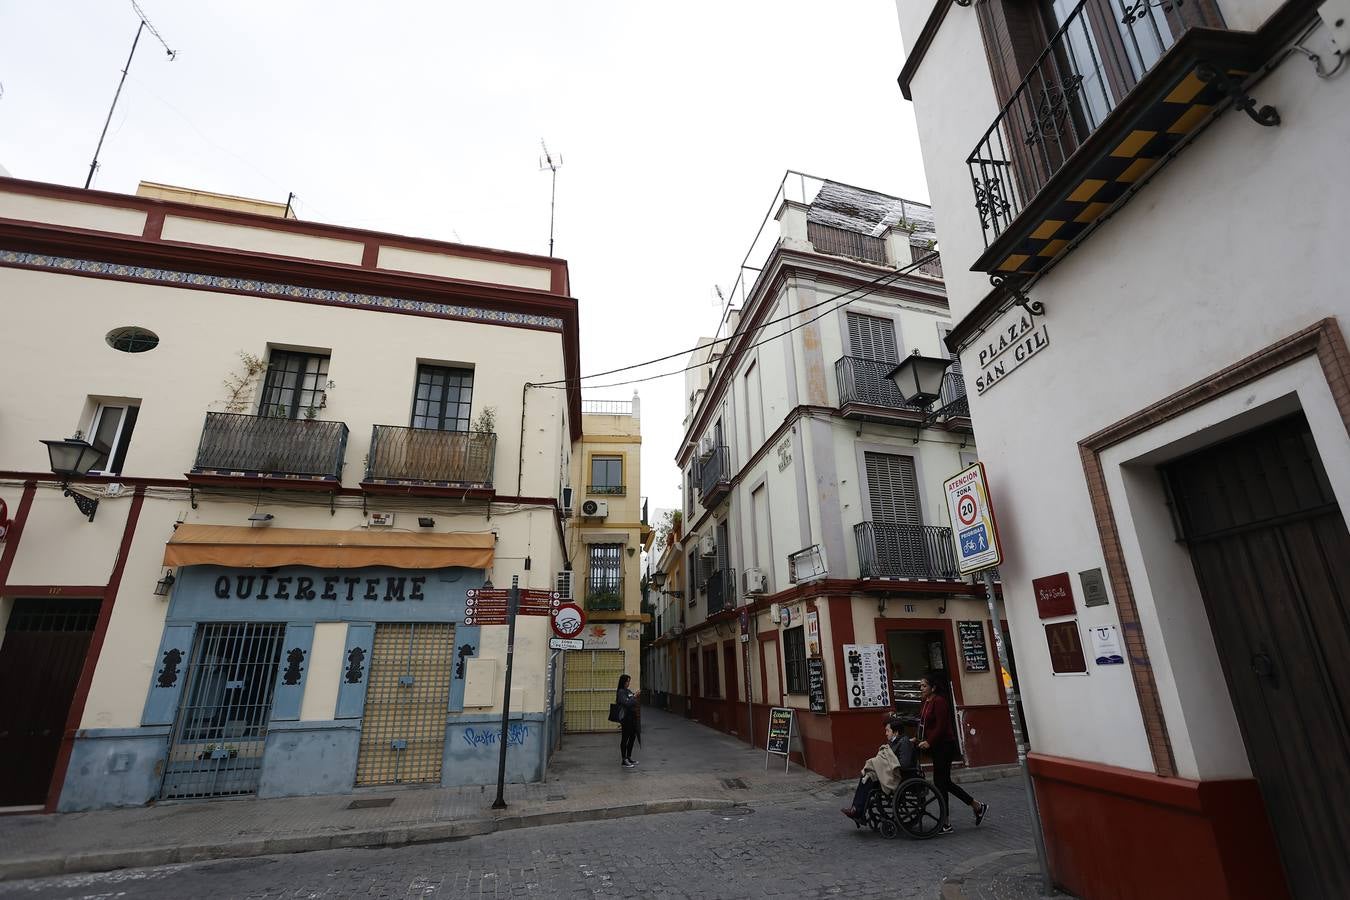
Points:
x=914 y=807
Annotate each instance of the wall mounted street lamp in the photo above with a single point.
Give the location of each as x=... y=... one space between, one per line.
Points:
x=165 y=584
x=73 y=458
x=919 y=378
x=659 y=579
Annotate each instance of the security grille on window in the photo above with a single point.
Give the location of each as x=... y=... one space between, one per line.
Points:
x=295 y=385
x=606 y=475
x=444 y=396
x=794 y=659
x=110 y=433
x=606 y=572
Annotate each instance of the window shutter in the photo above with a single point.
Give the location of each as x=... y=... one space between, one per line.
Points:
x=872 y=337
x=893 y=489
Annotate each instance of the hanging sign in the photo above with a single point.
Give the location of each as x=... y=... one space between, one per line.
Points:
x=1054 y=595
x=1106 y=645
x=972 y=516
x=865 y=675
x=815 y=684
x=973 y=649
x=1066 y=648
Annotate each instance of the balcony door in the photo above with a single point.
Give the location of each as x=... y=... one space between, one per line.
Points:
x=295 y=385
x=875 y=352
x=444 y=397
x=897 y=523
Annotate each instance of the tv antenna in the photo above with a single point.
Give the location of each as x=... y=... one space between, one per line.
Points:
x=145 y=24
x=553 y=167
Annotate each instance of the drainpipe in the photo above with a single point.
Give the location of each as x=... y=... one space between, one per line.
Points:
x=520 y=466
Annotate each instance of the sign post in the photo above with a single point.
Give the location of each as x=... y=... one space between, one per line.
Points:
x=512 y=607
x=978 y=550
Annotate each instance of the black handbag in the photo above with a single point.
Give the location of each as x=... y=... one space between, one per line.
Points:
x=616 y=712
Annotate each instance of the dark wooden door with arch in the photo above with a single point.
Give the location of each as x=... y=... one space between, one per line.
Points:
x=1272 y=556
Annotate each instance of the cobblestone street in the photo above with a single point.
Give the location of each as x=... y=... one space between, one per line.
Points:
x=801 y=848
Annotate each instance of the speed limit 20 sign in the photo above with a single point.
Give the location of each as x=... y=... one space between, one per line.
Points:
x=973 y=528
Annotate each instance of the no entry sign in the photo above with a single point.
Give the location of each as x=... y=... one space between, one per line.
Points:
x=568 y=620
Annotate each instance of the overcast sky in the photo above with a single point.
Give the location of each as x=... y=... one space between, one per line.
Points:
x=675 y=123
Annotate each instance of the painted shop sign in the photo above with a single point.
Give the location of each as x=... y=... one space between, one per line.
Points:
x=1007 y=348
x=302 y=593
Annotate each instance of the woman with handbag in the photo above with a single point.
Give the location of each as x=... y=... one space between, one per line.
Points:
x=939 y=739
x=624 y=710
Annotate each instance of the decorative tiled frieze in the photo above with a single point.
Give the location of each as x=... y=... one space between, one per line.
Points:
x=271 y=289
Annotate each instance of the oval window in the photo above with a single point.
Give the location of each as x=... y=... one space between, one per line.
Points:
x=132 y=339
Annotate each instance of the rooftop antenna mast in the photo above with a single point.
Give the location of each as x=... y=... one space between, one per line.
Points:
x=553 y=167
x=145 y=24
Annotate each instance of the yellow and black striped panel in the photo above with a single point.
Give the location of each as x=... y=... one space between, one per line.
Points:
x=1178 y=111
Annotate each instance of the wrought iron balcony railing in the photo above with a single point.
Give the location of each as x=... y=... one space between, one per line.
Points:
x=1088 y=67
x=264 y=445
x=721 y=590
x=604 y=592
x=714 y=473
x=905 y=551
x=842 y=242
x=953 y=402
x=865 y=381
x=427 y=456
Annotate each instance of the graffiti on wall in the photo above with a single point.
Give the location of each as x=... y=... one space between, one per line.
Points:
x=478 y=738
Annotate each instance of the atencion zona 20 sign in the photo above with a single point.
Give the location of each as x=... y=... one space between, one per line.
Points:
x=973 y=528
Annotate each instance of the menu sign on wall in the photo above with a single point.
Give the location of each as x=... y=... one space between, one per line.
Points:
x=866 y=675
x=815 y=684
x=973 y=648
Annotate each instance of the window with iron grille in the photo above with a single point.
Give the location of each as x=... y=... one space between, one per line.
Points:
x=295 y=385
x=606 y=570
x=606 y=475
x=444 y=396
x=794 y=659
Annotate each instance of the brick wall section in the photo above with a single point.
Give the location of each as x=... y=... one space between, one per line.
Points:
x=1323 y=339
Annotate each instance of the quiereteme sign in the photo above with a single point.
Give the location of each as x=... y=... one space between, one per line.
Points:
x=973 y=526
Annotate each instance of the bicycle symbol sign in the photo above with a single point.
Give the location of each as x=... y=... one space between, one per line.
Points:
x=973 y=529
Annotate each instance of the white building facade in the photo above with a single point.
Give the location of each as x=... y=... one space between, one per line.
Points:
x=814 y=530
x=1158 y=372
x=311 y=454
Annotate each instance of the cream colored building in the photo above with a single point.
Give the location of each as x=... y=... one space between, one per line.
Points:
x=606 y=535
x=311 y=451
x=815 y=533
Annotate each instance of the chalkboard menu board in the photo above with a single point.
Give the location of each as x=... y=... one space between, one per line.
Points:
x=815 y=684
x=780 y=730
x=973 y=649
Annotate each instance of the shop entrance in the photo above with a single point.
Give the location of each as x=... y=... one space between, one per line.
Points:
x=407 y=705
x=41 y=657
x=589 y=683
x=1272 y=557
x=216 y=749
x=913 y=654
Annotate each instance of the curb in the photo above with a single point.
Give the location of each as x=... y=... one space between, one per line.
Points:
x=953 y=887
x=401 y=836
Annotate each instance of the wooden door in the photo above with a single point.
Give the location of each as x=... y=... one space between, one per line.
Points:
x=45 y=642
x=1272 y=556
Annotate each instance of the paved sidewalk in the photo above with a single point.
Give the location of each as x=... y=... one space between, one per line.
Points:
x=683 y=766
x=1005 y=875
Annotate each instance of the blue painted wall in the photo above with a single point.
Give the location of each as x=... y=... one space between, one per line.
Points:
x=114 y=767
x=302 y=759
x=472 y=746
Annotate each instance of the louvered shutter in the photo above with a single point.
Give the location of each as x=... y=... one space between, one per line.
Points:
x=893 y=489
x=872 y=337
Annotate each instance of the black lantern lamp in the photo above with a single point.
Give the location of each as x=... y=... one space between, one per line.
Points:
x=72 y=458
x=165 y=584
x=919 y=378
x=659 y=579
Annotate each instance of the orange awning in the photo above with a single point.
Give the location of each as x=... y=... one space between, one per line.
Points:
x=265 y=548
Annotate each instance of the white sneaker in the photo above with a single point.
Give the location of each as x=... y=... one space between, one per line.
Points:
x=629 y=765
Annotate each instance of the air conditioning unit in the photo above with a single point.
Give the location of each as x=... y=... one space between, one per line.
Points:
x=562 y=585
x=756 y=581
x=567 y=502
x=595 y=509
x=707 y=545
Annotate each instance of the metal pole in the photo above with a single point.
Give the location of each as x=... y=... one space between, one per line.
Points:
x=94 y=165
x=1019 y=735
x=512 y=608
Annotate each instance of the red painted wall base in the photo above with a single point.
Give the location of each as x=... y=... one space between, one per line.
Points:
x=1114 y=833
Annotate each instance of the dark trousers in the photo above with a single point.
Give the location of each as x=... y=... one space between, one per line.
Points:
x=861 y=796
x=627 y=736
x=943 y=754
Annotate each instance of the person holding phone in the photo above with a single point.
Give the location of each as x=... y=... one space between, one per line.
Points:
x=627 y=702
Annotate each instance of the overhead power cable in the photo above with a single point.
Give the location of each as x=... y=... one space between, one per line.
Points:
x=875 y=283
x=867 y=288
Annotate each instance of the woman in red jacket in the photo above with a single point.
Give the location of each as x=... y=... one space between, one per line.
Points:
x=939 y=739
